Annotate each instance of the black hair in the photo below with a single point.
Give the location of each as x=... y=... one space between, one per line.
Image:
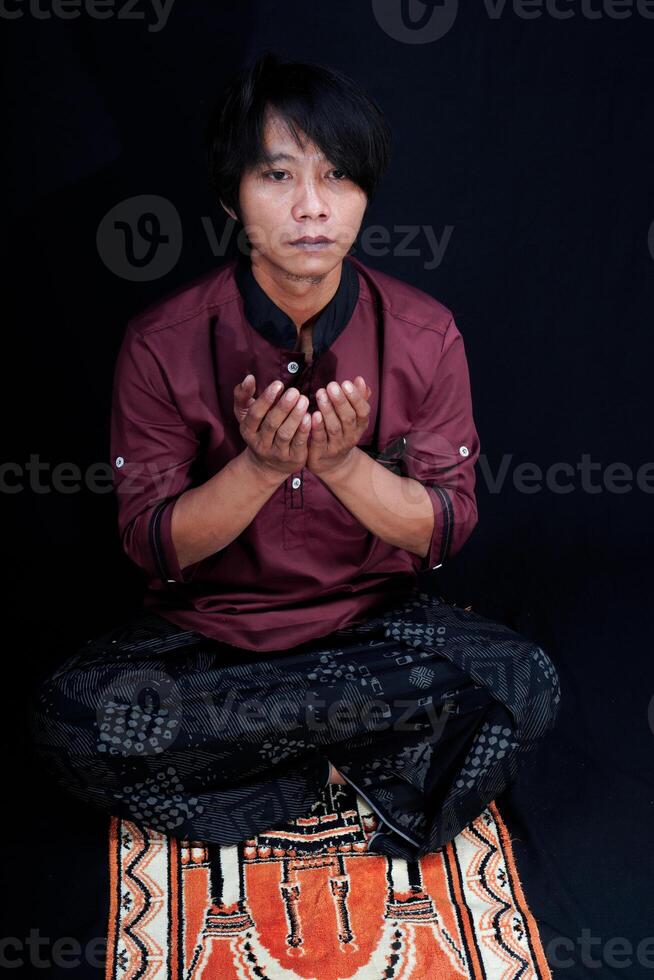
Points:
x=339 y=117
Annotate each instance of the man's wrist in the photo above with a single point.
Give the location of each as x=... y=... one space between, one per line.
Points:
x=265 y=475
x=342 y=473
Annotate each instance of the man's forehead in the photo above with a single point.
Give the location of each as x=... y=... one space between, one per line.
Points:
x=276 y=154
x=280 y=146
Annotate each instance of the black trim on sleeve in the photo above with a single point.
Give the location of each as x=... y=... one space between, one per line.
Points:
x=448 y=519
x=155 y=541
x=391 y=457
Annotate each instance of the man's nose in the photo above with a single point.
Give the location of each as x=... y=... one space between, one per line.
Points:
x=310 y=200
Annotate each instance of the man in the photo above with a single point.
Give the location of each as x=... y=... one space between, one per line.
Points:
x=293 y=442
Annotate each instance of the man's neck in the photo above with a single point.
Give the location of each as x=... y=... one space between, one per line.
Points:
x=302 y=298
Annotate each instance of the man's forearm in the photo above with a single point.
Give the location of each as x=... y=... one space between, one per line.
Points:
x=395 y=508
x=207 y=518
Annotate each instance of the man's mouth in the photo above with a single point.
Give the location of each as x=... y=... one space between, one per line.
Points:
x=312 y=244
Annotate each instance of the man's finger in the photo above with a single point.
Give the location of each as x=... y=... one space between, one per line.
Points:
x=365 y=389
x=260 y=406
x=318 y=430
x=330 y=417
x=246 y=388
x=358 y=400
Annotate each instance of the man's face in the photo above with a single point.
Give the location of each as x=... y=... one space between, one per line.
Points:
x=300 y=194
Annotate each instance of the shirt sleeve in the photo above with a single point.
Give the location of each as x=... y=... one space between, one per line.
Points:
x=152 y=452
x=441 y=450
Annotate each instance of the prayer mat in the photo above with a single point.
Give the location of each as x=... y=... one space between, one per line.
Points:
x=308 y=899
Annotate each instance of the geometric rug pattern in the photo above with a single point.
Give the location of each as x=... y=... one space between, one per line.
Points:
x=308 y=900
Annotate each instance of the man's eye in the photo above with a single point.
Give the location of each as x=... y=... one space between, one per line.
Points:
x=280 y=173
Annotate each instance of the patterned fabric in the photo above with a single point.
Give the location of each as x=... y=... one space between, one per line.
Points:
x=427 y=711
x=308 y=899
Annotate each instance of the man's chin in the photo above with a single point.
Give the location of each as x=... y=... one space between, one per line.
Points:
x=313 y=265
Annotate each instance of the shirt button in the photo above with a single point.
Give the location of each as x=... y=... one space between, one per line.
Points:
x=296 y=482
x=293 y=366
x=464 y=450
x=119 y=461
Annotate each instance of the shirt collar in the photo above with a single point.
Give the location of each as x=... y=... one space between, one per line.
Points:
x=278 y=328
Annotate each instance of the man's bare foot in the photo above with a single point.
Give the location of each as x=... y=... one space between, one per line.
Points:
x=335 y=776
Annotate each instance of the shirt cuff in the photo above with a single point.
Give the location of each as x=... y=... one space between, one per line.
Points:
x=163 y=548
x=439 y=543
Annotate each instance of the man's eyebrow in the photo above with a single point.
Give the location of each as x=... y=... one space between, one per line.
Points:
x=276 y=157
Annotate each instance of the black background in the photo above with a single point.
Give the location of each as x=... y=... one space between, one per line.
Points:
x=530 y=139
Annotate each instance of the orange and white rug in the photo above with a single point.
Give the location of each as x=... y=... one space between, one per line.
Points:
x=309 y=900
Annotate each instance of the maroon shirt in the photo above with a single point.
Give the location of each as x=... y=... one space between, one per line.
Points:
x=304 y=566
